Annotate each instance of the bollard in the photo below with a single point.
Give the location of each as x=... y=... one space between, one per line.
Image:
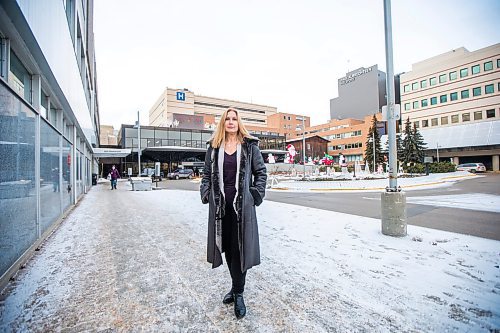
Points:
x=393 y=214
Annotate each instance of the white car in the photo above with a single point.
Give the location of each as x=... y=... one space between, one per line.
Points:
x=472 y=167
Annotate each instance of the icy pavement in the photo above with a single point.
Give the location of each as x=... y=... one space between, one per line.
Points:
x=473 y=201
x=135 y=261
x=408 y=184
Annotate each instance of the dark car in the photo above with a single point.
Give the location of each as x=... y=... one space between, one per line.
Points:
x=180 y=173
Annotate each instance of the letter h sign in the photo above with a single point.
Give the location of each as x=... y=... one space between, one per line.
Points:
x=181 y=96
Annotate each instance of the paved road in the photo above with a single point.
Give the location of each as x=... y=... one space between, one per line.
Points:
x=471 y=222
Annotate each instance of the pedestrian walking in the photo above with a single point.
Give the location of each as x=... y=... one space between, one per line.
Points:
x=114 y=177
x=233 y=183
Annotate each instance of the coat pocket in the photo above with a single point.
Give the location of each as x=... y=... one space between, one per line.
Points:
x=257 y=199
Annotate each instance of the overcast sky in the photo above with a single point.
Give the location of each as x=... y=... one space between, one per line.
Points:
x=288 y=54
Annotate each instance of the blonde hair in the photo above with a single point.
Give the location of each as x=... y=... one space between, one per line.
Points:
x=220 y=132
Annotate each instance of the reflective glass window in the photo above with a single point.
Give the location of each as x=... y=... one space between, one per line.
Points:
x=423 y=83
x=453 y=76
x=476 y=91
x=478 y=115
x=414 y=86
x=464 y=72
x=432 y=81
x=19 y=78
x=443 y=98
x=489 y=89
x=424 y=103
x=466 y=116
x=490 y=113
x=433 y=100
x=18 y=201
x=464 y=94
x=454 y=119
x=453 y=96
x=488 y=66
x=476 y=69
x=442 y=78
x=444 y=120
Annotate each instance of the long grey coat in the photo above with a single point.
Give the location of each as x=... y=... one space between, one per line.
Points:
x=250 y=186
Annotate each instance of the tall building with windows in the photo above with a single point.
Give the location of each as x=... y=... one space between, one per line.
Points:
x=49 y=119
x=182 y=108
x=454 y=99
x=362 y=92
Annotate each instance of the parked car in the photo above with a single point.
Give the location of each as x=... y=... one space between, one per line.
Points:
x=472 y=167
x=180 y=173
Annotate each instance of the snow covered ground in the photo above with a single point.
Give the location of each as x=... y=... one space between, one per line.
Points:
x=408 y=184
x=132 y=261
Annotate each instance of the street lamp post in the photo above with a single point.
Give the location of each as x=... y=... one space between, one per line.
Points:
x=373 y=147
x=437 y=151
x=138 y=126
x=304 y=144
x=393 y=201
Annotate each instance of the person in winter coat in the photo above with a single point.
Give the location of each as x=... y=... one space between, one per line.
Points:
x=233 y=183
x=114 y=177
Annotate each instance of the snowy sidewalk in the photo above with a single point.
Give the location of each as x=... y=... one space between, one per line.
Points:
x=135 y=261
x=421 y=182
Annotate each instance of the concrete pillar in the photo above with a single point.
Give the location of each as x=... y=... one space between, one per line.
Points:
x=393 y=213
x=495 y=162
x=456 y=160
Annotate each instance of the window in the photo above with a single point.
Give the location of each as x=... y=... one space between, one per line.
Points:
x=416 y=124
x=478 y=115
x=476 y=69
x=434 y=100
x=488 y=66
x=490 y=113
x=443 y=98
x=407 y=106
x=454 y=119
x=498 y=63
x=425 y=123
x=464 y=72
x=442 y=78
x=19 y=78
x=464 y=94
x=414 y=86
x=444 y=120
x=466 y=116
x=406 y=88
x=415 y=105
x=453 y=76
x=284 y=117
x=489 y=89
x=432 y=81
x=424 y=103
x=434 y=122
x=453 y=96
x=476 y=91
x=423 y=83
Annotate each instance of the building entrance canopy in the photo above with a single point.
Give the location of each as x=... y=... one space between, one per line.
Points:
x=111 y=152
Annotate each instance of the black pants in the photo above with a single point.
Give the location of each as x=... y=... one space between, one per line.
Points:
x=231 y=249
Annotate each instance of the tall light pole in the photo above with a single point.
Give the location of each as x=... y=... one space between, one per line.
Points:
x=373 y=146
x=138 y=125
x=437 y=150
x=393 y=201
x=304 y=143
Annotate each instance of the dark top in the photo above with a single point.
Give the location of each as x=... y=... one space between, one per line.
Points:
x=229 y=177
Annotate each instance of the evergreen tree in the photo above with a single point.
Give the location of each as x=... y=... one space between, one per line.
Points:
x=420 y=145
x=408 y=144
x=373 y=133
x=399 y=147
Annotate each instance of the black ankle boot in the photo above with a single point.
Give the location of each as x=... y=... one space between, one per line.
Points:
x=240 y=309
x=228 y=298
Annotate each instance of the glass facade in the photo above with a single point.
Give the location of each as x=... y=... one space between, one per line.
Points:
x=18 y=201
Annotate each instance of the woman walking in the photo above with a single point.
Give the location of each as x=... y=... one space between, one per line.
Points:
x=233 y=183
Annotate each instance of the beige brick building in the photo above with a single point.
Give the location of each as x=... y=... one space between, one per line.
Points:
x=183 y=108
x=454 y=99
